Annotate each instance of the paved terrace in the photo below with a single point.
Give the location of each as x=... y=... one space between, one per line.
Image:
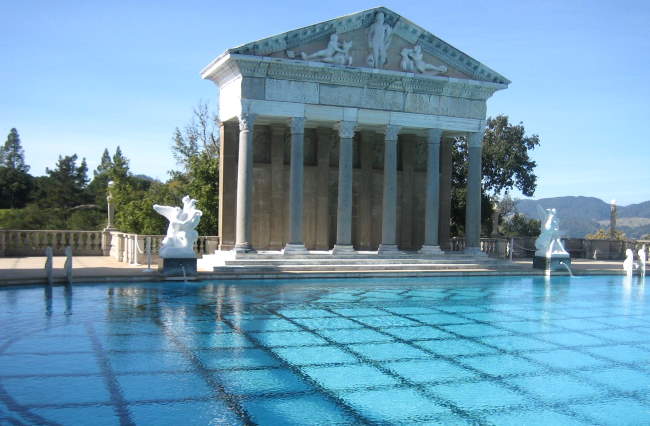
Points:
x=30 y=270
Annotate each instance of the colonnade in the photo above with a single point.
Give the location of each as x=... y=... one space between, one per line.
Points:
x=346 y=130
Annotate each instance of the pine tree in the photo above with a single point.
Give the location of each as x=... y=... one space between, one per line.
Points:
x=120 y=168
x=105 y=164
x=12 y=154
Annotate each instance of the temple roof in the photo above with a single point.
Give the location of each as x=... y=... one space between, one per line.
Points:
x=288 y=44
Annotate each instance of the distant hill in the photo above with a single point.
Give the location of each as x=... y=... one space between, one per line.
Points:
x=580 y=216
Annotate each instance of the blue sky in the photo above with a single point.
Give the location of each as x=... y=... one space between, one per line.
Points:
x=79 y=76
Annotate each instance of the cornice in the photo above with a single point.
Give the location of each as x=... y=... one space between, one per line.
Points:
x=230 y=66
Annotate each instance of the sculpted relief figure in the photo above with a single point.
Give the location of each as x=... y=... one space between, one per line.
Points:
x=181 y=232
x=335 y=53
x=379 y=36
x=413 y=60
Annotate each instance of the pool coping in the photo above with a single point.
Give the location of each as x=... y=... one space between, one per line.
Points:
x=233 y=276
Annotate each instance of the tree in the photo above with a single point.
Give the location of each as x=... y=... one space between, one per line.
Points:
x=12 y=153
x=605 y=234
x=15 y=181
x=64 y=185
x=105 y=164
x=506 y=164
x=520 y=226
x=196 y=149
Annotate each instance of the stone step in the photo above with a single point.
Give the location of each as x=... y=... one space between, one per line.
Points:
x=361 y=267
x=366 y=261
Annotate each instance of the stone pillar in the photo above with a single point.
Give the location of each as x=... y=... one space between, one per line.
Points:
x=344 y=208
x=277 y=186
x=444 y=212
x=405 y=199
x=364 y=200
x=228 y=184
x=473 y=200
x=432 y=200
x=295 y=242
x=322 y=209
x=244 y=222
x=389 y=200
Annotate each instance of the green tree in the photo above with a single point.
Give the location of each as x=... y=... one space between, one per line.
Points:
x=105 y=164
x=15 y=181
x=506 y=165
x=520 y=226
x=64 y=185
x=12 y=154
x=196 y=150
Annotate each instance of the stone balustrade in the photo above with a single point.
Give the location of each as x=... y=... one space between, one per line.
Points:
x=33 y=242
x=132 y=248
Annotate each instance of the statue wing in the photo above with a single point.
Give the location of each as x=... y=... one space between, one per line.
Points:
x=168 y=211
x=542 y=213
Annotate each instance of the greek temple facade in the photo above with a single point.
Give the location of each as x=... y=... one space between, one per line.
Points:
x=338 y=136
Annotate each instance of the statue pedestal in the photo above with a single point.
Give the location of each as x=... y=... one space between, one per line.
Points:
x=173 y=267
x=551 y=263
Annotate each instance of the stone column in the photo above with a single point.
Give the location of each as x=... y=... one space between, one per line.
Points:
x=344 y=208
x=295 y=243
x=277 y=186
x=473 y=200
x=243 y=227
x=389 y=200
x=228 y=149
x=432 y=200
x=444 y=216
x=322 y=210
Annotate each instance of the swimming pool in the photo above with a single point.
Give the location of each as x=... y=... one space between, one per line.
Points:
x=479 y=350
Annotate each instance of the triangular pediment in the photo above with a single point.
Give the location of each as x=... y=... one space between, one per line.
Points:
x=356 y=40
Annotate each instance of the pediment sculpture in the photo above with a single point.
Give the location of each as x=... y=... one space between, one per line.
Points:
x=413 y=61
x=181 y=232
x=336 y=52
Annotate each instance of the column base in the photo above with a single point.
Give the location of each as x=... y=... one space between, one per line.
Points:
x=474 y=251
x=343 y=249
x=244 y=248
x=430 y=250
x=294 y=249
x=387 y=249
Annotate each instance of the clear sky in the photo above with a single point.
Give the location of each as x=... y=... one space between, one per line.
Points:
x=79 y=76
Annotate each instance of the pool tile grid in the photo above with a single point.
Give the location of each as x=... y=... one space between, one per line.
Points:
x=471 y=416
x=611 y=392
x=387 y=372
x=499 y=350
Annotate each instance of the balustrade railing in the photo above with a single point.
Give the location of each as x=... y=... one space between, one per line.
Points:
x=34 y=242
x=132 y=248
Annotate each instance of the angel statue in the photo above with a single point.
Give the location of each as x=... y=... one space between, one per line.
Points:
x=181 y=232
x=548 y=244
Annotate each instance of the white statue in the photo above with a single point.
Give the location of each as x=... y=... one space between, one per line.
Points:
x=642 y=260
x=335 y=52
x=181 y=233
x=628 y=263
x=548 y=244
x=413 y=60
x=379 y=36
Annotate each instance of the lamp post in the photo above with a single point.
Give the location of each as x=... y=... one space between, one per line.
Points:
x=106 y=235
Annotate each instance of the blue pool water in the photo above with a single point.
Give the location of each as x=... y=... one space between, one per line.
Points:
x=481 y=350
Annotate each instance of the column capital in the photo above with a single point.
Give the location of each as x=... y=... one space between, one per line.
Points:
x=346 y=129
x=246 y=121
x=475 y=139
x=392 y=131
x=297 y=125
x=434 y=136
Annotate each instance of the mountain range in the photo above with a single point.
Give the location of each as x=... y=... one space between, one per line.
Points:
x=580 y=216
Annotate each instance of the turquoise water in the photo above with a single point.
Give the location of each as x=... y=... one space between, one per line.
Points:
x=481 y=350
